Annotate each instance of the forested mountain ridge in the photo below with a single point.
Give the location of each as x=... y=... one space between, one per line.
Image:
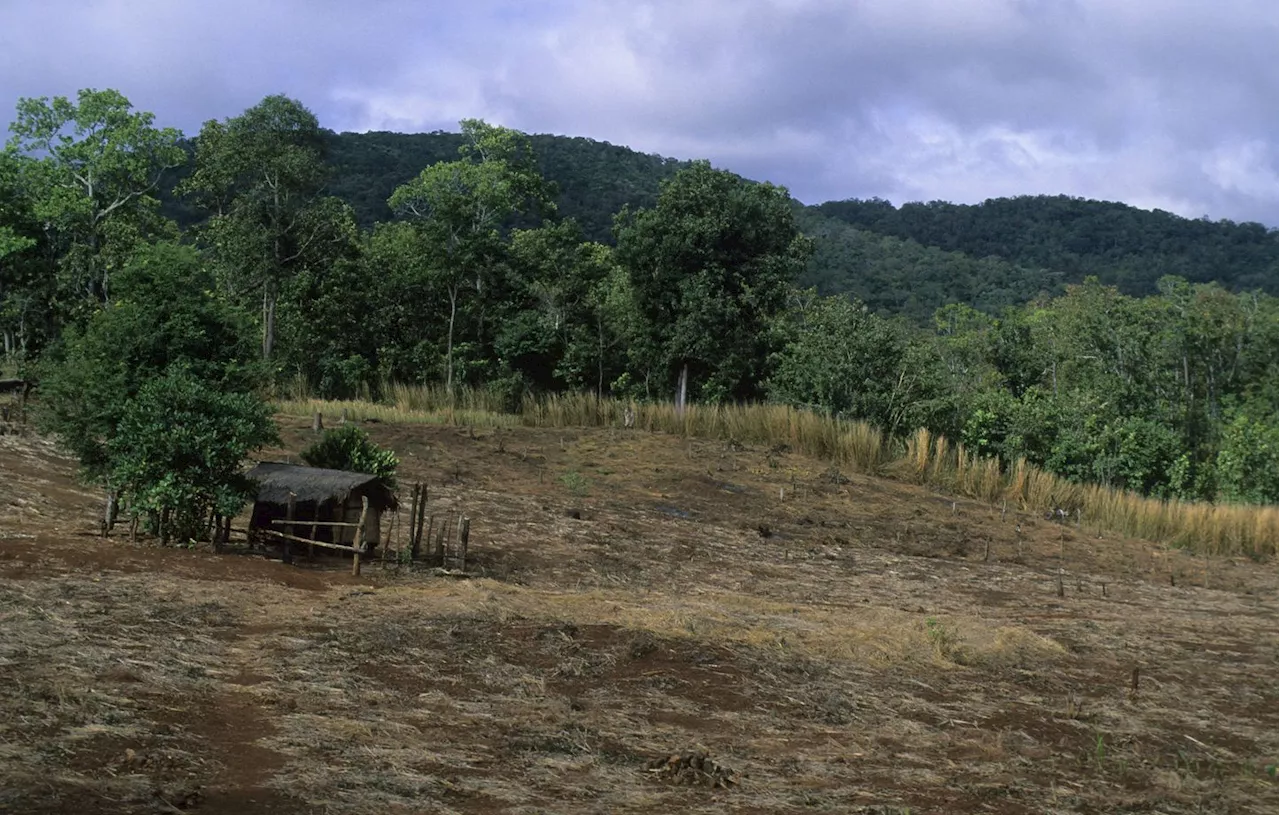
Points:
x=594 y=179
x=1122 y=245
x=910 y=260
x=896 y=276
x=361 y=262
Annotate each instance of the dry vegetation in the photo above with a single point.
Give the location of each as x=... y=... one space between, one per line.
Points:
x=925 y=459
x=657 y=624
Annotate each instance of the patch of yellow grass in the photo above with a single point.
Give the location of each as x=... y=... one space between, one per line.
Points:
x=881 y=637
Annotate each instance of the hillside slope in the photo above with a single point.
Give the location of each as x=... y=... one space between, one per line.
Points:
x=839 y=643
x=1122 y=245
x=594 y=179
x=899 y=276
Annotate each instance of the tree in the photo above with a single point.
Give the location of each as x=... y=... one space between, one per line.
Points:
x=98 y=165
x=165 y=314
x=840 y=358
x=260 y=176
x=457 y=210
x=24 y=291
x=565 y=329
x=178 y=450
x=710 y=267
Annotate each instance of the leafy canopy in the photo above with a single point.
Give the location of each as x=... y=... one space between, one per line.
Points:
x=180 y=445
x=349 y=448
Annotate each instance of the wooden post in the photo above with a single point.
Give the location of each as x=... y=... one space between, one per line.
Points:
x=317 y=424
x=430 y=531
x=422 y=511
x=437 y=558
x=359 y=541
x=464 y=537
x=413 y=528
x=289 y=514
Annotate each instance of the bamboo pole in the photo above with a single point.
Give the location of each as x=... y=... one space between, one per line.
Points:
x=422 y=511
x=325 y=544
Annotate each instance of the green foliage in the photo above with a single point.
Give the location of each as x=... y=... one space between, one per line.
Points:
x=260 y=176
x=165 y=314
x=350 y=448
x=96 y=167
x=1246 y=464
x=898 y=276
x=178 y=450
x=453 y=245
x=1122 y=245
x=710 y=267
x=576 y=483
x=841 y=358
x=571 y=299
x=593 y=180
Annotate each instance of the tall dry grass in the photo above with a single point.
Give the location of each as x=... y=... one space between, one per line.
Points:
x=925 y=458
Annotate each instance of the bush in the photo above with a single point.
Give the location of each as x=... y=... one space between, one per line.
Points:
x=178 y=450
x=350 y=448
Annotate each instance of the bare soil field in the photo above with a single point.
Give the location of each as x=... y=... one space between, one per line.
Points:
x=651 y=625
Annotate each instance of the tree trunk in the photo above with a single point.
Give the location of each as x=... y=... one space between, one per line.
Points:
x=268 y=322
x=599 y=359
x=682 y=389
x=453 y=313
x=109 y=513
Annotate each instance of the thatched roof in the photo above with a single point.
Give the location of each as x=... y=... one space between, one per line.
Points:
x=316 y=485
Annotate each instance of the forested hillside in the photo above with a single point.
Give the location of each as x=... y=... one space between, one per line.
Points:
x=344 y=265
x=908 y=260
x=896 y=276
x=1122 y=245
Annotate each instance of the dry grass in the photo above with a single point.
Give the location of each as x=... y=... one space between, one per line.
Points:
x=862 y=656
x=1216 y=529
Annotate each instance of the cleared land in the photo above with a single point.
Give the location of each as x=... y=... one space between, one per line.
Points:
x=857 y=645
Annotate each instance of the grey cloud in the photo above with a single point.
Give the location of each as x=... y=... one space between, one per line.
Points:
x=1167 y=103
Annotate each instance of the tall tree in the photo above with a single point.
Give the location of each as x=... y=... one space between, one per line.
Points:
x=566 y=325
x=260 y=175
x=710 y=268
x=458 y=209
x=166 y=314
x=98 y=165
x=20 y=291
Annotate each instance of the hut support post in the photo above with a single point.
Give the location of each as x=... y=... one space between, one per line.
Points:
x=311 y=547
x=290 y=513
x=413 y=515
x=422 y=511
x=359 y=541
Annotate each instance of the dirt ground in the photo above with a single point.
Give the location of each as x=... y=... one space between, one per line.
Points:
x=832 y=643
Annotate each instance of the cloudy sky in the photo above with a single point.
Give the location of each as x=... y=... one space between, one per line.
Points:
x=1158 y=103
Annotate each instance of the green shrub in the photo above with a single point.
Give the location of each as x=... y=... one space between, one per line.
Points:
x=350 y=448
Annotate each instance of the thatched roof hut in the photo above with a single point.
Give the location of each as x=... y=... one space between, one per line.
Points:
x=319 y=495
